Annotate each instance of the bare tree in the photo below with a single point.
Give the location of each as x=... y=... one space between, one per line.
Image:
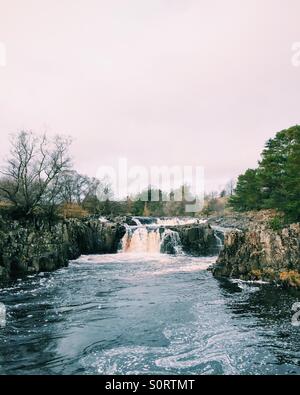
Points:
x=102 y=188
x=74 y=187
x=230 y=187
x=31 y=176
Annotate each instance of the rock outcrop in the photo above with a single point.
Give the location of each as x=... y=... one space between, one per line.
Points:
x=242 y=220
x=93 y=237
x=25 y=249
x=261 y=253
x=197 y=239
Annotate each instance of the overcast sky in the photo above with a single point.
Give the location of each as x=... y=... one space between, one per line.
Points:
x=161 y=82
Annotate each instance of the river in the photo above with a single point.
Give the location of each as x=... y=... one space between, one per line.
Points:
x=146 y=313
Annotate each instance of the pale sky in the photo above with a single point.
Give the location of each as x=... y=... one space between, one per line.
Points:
x=160 y=82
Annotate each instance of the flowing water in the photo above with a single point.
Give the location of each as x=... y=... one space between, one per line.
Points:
x=151 y=237
x=145 y=312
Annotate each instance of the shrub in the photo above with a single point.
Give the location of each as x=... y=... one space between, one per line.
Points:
x=276 y=223
x=267 y=274
x=290 y=278
x=73 y=210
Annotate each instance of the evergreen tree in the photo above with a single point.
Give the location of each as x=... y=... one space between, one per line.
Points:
x=276 y=182
x=247 y=193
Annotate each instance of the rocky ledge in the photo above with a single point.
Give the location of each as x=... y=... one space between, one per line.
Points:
x=28 y=249
x=197 y=239
x=242 y=220
x=261 y=253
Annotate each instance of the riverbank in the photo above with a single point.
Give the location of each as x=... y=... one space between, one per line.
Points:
x=254 y=250
x=242 y=220
x=28 y=248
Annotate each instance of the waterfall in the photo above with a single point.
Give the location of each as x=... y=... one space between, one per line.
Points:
x=178 y=221
x=219 y=237
x=151 y=237
x=171 y=242
x=140 y=239
x=137 y=221
x=219 y=242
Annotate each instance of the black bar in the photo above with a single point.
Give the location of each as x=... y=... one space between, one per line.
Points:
x=142 y=384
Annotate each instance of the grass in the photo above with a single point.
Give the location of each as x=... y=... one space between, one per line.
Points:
x=73 y=210
x=290 y=278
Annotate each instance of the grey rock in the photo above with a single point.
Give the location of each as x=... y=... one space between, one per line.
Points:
x=25 y=249
x=259 y=253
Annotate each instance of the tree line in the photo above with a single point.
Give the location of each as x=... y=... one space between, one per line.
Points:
x=275 y=183
x=38 y=180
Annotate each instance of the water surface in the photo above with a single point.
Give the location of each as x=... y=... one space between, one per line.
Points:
x=146 y=314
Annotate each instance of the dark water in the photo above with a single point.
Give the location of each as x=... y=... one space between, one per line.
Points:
x=158 y=314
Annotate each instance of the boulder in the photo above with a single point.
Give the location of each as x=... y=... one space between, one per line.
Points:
x=197 y=239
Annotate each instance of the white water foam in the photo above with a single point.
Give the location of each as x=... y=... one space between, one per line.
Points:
x=149 y=238
x=141 y=239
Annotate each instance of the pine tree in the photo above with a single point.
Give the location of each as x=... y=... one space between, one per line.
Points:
x=276 y=182
x=247 y=193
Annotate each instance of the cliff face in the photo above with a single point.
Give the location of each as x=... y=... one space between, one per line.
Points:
x=198 y=239
x=93 y=237
x=261 y=253
x=25 y=249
